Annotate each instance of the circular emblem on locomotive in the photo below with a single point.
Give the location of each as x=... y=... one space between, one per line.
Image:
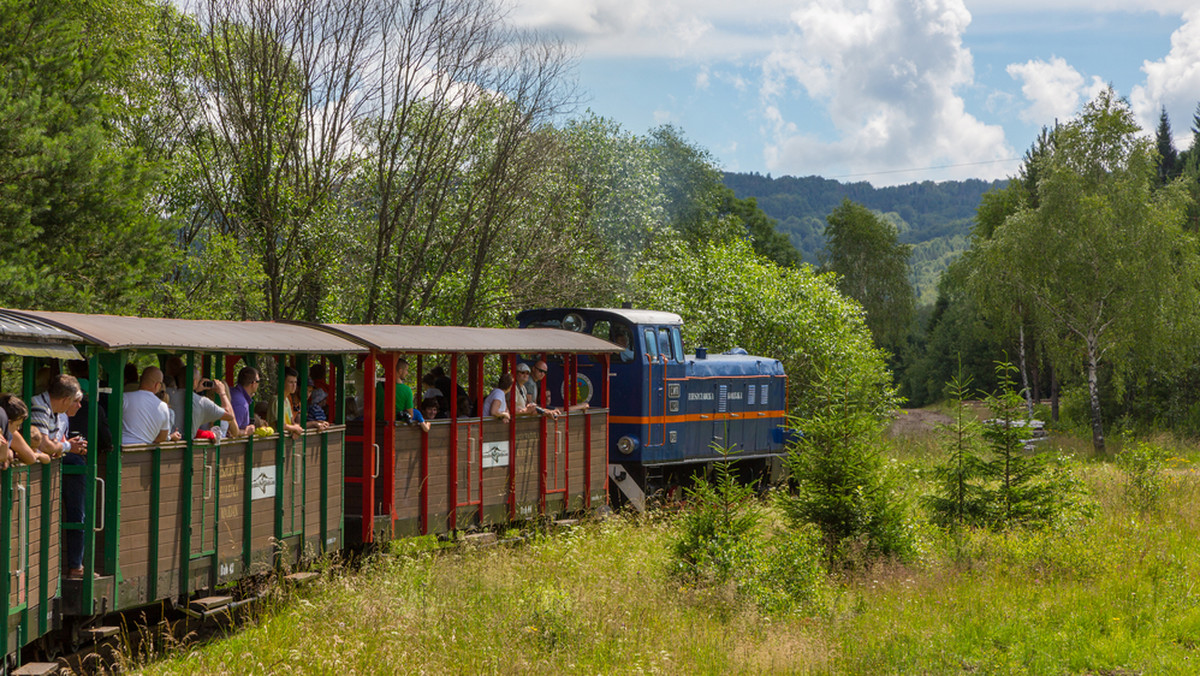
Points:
x=583 y=390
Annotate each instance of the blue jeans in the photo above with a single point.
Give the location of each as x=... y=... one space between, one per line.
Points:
x=72 y=494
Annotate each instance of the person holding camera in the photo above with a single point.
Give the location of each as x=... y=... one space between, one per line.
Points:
x=205 y=411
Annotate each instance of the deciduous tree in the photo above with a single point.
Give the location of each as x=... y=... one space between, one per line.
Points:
x=731 y=297
x=1101 y=257
x=872 y=267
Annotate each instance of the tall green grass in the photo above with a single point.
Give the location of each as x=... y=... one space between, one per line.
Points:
x=1115 y=594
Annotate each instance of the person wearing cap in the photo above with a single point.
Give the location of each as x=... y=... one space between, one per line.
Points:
x=525 y=394
x=522 y=403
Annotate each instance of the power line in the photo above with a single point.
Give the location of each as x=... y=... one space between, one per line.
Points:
x=944 y=166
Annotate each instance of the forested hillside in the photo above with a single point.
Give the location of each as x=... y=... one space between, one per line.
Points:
x=935 y=218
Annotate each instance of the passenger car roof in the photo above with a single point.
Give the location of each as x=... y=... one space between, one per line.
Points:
x=116 y=332
x=466 y=339
x=30 y=337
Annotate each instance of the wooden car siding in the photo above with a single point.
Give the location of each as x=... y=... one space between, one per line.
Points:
x=222 y=526
x=493 y=487
x=135 y=552
x=29 y=589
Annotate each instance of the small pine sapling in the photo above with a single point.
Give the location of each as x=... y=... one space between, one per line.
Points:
x=959 y=499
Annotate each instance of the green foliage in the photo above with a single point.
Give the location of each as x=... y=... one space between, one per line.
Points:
x=872 y=268
x=843 y=486
x=955 y=333
x=1015 y=493
x=1143 y=463
x=717 y=536
x=221 y=280
x=721 y=540
x=691 y=187
x=77 y=233
x=1096 y=256
x=1169 y=166
x=788 y=575
x=958 y=500
x=761 y=229
x=730 y=297
x=1005 y=487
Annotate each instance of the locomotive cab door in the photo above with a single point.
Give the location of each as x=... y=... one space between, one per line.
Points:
x=655 y=392
x=670 y=349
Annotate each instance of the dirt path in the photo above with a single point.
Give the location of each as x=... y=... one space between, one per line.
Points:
x=914 y=422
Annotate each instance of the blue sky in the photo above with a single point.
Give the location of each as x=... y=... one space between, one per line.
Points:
x=886 y=91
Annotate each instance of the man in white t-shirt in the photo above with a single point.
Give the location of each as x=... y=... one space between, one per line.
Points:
x=205 y=411
x=145 y=418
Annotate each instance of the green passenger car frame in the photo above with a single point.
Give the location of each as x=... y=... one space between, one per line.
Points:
x=176 y=486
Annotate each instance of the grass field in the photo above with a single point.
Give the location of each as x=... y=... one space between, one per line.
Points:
x=1118 y=593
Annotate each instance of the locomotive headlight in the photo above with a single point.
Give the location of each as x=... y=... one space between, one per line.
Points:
x=627 y=444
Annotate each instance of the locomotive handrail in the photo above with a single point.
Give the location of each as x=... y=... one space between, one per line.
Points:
x=298 y=460
x=103 y=494
x=208 y=480
x=378 y=460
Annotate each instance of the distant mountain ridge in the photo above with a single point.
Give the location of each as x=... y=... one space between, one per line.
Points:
x=936 y=218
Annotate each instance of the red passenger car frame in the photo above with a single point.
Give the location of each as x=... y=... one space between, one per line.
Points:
x=470 y=471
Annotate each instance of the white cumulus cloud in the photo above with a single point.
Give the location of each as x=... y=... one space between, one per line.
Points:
x=647 y=28
x=887 y=73
x=1054 y=89
x=1173 y=81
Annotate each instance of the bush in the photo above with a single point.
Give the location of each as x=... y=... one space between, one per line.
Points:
x=843 y=487
x=1142 y=463
x=1006 y=487
x=717 y=535
x=721 y=541
x=958 y=499
x=788 y=575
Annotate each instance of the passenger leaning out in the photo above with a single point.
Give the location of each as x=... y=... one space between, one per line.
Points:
x=49 y=417
x=425 y=413
x=13 y=447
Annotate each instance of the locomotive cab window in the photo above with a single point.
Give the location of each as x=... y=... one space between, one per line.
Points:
x=677 y=344
x=650 y=344
x=664 y=345
x=622 y=336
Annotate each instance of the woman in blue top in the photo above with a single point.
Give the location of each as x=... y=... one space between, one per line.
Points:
x=496 y=404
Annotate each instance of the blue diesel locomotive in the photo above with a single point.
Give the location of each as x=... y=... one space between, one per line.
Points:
x=672 y=413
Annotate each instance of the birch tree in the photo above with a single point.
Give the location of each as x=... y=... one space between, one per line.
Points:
x=1102 y=256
